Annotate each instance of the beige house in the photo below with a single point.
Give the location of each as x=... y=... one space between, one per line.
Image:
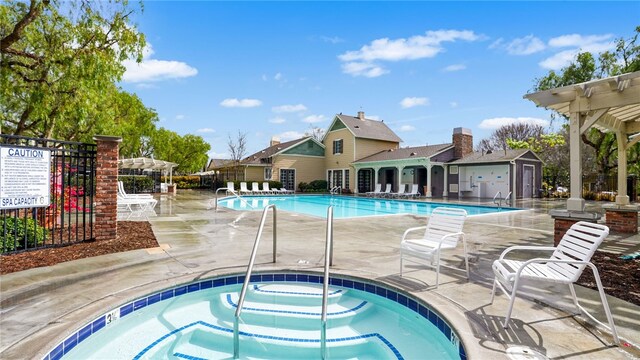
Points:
x=357 y=153
x=349 y=139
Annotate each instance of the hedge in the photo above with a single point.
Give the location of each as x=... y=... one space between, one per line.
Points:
x=16 y=230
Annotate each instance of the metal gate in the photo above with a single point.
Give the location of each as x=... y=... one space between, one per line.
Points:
x=69 y=217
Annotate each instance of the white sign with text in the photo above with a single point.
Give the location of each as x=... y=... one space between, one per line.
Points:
x=24 y=177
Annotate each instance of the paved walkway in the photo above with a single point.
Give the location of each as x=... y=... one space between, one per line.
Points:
x=40 y=307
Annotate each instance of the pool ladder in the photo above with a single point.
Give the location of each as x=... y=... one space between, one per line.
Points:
x=328 y=261
x=497 y=199
x=335 y=190
x=229 y=191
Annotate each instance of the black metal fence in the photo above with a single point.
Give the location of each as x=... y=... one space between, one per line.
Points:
x=69 y=217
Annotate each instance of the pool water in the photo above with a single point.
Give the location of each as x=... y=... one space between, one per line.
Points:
x=280 y=320
x=347 y=206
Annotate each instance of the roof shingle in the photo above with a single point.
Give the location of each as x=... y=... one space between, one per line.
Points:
x=369 y=129
x=406 y=153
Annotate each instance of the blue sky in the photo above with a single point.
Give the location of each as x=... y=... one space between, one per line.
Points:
x=278 y=68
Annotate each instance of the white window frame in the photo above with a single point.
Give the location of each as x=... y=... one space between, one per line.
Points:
x=341 y=146
x=270 y=173
x=453 y=169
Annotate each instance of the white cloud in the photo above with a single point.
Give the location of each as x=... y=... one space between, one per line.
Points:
x=496 y=123
x=290 y=135
x=206 y=130
x=332 y=39
x=578 y=43
x=362 y=62
x=525 y=45
x=406 y=128
x=410 y=102
x=241 y=103
x=277 y=120
x=150 y=70
x=288 y=108
x=264 y=77
x=577 y=40
x=277 y=76
x=363 y=69
x=311 y=119
x=455 y=67
x=216 y=155
x=496 y=44
x=453 y=104
x=180 y=117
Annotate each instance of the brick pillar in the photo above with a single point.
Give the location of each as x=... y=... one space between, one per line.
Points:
x=622 y=220
x=106 y=197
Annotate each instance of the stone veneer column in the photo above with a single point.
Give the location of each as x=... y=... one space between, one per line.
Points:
x=106 y=197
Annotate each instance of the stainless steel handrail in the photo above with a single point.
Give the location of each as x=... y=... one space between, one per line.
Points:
x=232 y=192
x=243 y=293
x=328 y=255
x=497 y=198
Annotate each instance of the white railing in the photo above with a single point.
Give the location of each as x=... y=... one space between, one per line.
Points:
x=497 y=199
x=252 y=260
x=335 y=190
x=328 y=260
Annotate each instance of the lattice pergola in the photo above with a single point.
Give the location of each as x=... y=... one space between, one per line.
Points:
x=611 y=104
x=148 y=164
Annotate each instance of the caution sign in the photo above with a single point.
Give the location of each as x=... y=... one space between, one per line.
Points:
x=24 y=177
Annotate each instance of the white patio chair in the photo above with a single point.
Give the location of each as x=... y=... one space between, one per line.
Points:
x=243 y=189
x=442 y=232
x=399 y=193
x=286 y=192
x=375 y=191
x=230 y=187
x=135 y=207
x=564 y=266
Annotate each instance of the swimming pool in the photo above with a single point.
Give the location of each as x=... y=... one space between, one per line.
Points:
x=347 y=206
x=281 y=319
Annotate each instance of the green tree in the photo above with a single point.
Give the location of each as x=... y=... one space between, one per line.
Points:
x=624 y=58
x=515 y=131
x=188 y=151
x=60 y=61
x=553 y=151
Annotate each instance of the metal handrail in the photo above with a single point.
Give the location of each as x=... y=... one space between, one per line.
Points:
x=335 y=190
x=328 y=256
x=243 y=293
x=497 y=198
x=507 y=198
x=233 y=193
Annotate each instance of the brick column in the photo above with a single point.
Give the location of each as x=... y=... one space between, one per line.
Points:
x=622 y=220
x=564 y=219
x=106 y=197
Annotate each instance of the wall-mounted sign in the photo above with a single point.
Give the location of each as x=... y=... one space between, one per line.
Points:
x=24 y=177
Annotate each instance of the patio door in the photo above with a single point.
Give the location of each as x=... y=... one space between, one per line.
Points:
x=527 y=181
x=288 y=178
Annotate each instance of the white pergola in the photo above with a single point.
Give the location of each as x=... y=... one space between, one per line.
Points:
x=611 y=104
x=148 y=164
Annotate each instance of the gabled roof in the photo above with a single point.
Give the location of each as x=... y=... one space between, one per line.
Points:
x=494 y=157
x=406 y=153
x=367 y=129
x=257 y=158
x=216 y=163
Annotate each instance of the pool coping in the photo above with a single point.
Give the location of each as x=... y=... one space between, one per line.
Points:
x=375 y=287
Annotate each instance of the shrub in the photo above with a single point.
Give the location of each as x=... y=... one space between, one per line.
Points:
x=186 y=182
x=134 y=184
x=17 y=230
x=318 y=185
x=303 y=186
x=589 y=195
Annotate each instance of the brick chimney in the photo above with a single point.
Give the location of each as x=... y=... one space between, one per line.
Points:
x=274 y=141
x=462 y=142
x=361 y=115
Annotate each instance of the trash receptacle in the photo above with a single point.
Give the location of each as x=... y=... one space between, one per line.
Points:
x=171 y=189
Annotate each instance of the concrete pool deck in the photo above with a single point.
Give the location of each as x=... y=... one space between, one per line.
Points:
x=40 y=307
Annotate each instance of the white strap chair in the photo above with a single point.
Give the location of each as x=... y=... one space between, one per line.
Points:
x=442 y=232
x=565 y=266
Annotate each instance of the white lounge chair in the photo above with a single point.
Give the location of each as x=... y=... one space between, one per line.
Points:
x=135 y=207
x=255 y=188
x=244 y=189
x=230 y=187
x=375 y=191
x=413 y=193
x=285 y=191
x=387 y=191
x=265 y=188
x=399 y=193
x=564 y=266
x=442 y=232
x=124 y=194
